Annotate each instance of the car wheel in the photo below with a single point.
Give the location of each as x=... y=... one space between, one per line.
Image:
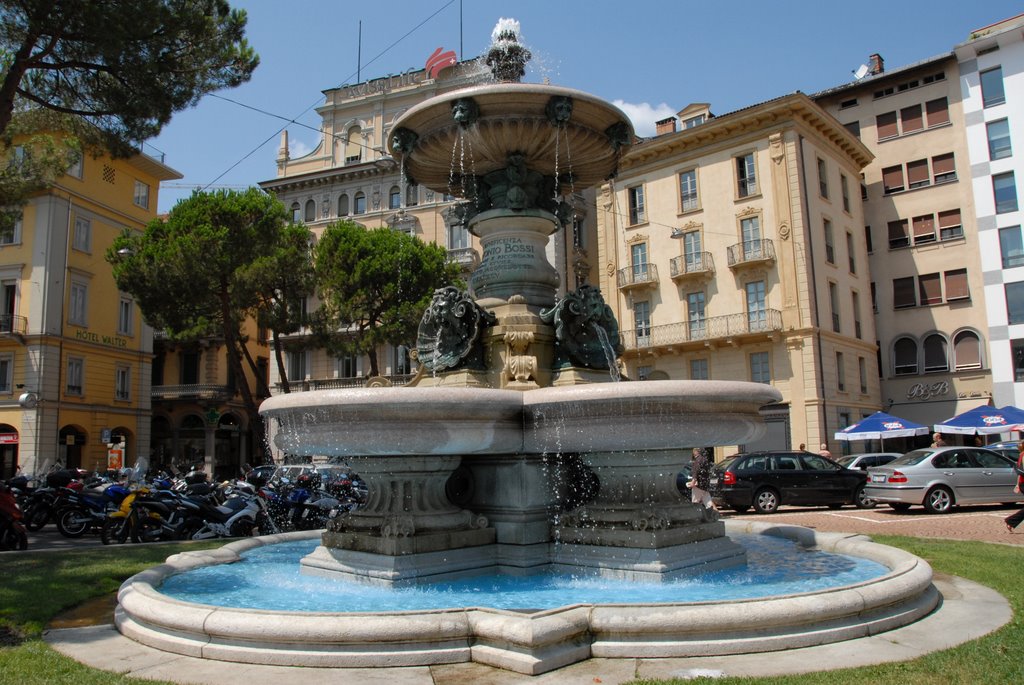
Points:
x=766 y=501
x=939 y=500
x=899 y=506
x=861 y=500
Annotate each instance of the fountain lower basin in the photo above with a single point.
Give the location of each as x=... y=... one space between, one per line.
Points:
x=536 y=642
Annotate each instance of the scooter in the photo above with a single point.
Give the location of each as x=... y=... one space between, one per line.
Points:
x=13 y=535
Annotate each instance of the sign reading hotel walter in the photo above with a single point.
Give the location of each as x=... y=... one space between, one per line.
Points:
x=437 y=61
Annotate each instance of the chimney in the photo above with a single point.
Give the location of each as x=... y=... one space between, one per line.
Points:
x=876 y=63
x=665 y=126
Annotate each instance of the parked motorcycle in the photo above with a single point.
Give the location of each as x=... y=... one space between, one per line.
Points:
x=13 y=535
x=84 y=510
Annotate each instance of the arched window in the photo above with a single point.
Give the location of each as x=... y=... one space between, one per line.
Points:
x=412 y=196
x=310 y=210
x=360 y=204
x=904 y=355
x=296 y=213
x=936 y=355
x=343 y=206
x=353 y=148
x=395 y=198
x=966 y=350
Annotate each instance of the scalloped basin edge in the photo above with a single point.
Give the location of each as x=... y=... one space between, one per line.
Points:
x=536 y=642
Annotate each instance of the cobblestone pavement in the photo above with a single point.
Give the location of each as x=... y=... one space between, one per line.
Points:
x=982 y=522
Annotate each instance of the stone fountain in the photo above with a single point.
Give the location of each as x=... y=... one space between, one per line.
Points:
x=552 y=463
x=516 y=451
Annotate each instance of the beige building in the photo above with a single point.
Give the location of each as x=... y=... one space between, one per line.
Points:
x=351 y=175
x=733 y=249
x=922 y=237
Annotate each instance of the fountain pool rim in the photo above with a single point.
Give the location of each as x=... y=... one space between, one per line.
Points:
x=534 y=642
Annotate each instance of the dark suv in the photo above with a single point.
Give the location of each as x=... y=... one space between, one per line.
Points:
x=766 y=480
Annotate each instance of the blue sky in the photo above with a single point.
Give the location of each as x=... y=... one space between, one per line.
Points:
x=650 y=57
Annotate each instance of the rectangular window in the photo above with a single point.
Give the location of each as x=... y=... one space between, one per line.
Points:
x=944 y=168
x=296 y=366
x=760 y=372
x=6 y=373
x=898 y=235
x=122 y=383
x=693 y=252
x=695 y=315
x=949 y=225
x=125 y=309
x=347 y=366
x=74 y=376
x=851 y=253
x=904 y=294
x=830 y=247
x=924 y=229
x=822 y=178
x=862 y=372
x=637 y=213
x=892 y=179
x=868 y=240
x=642 y=321
x=11 y=235
x=640 y=266
x=992 y=92
x=699 y=369
x=956 y=285
x=874 y=298
x=141 y=195
x=853 y=127
x=1004 y=187
x=77 y=310
x=75 y=168
x=887 y=125
x=833 y=303
x=688 y=199
x=857 y=331
x=998 y=139
x=1014 y=302
x=911 y=119
x=937 y=112
x=83 y=234
x=930 y=286
x=750 y=230
x=917 y=174
x=1011 y=245
x=757 y=313
x=746 y=175
x=840 y=372
x=1017 y=351
x=844 y=187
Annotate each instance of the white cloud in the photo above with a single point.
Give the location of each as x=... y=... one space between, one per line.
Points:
x=297 y=148
x=644 y=115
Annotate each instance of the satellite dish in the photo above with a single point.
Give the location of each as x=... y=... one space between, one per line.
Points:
x=861 y=72
x=28 y=400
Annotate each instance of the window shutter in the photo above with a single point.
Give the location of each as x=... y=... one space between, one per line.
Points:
x=898 y=233
x=956 y=285
x=911 y=118
x=892 y=179
x=886 y=124
x=949 y=218
x=967 y=351
x=924 y=227
x=943 y=164
x=903 y=292
x=938 y=112
x=917 y=173
x=931 y=288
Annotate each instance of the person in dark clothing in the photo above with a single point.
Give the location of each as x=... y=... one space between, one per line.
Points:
x=700 y=483
x=1013 y=520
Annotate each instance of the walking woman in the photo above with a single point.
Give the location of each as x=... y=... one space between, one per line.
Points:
x=1013 y=520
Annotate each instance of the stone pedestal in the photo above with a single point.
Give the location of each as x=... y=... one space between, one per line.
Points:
x=514 y=261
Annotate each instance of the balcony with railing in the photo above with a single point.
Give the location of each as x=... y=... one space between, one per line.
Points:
x=466 y=257
x=747 y=327
x=12 y=324
x=642 y=275
x=308 y=384
x=193 y=391
x=698 y=266
x=751 y=253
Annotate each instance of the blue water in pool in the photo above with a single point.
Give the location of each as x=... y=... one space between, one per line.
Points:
x=269 y=578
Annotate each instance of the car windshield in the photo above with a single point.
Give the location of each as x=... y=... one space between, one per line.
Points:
x=911 y=458
x=846 y=461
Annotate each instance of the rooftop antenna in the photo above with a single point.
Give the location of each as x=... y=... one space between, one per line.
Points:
x=359 y=54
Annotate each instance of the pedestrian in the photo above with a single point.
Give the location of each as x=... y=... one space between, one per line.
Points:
x=803 y=447
x=700 y=479
x=824 y=451
x=937 y=440
x=1013 y=520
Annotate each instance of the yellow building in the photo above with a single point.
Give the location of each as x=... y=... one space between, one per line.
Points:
x=75 y=353
x=732 y=249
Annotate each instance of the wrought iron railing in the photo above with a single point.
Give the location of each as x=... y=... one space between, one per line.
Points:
x=691 y=264
x=749 y=251
x=193 y=391
x=711 y=328
x=12 y=323
x=638 y=274
x=465 y=257
x=308 y=384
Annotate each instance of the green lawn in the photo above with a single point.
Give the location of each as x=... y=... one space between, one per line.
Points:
x=39 y=586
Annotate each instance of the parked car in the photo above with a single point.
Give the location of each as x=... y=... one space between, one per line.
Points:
x=1009 y=449
x=939 y=478
x=866 y=460
x=767 y=480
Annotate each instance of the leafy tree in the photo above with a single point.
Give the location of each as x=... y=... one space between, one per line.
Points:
x=374 y=286
x=125 y=66
x=195 y=275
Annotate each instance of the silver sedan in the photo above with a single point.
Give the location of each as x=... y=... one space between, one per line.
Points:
x=939 y=478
